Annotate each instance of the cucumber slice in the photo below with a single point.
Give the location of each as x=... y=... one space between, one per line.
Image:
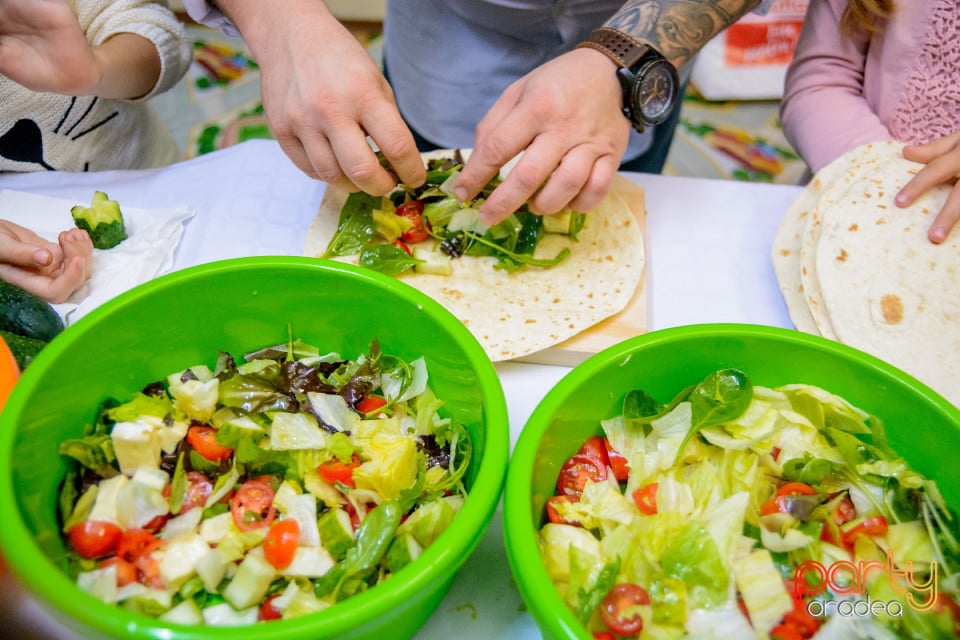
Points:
x=336 y=532
x=433 y=262
x=403 y=550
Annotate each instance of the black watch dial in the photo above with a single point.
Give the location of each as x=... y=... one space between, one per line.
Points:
x=655 y=93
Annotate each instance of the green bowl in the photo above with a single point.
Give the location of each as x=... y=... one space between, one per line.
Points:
x=237 y=305
x=921 y=425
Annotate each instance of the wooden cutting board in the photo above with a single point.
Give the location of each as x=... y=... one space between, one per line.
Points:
x=632 y=321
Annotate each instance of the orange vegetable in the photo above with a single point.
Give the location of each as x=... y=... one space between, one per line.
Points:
x=9 y=372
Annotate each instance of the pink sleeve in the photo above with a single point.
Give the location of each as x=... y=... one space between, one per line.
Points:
x=204 y=13
x=823 y=110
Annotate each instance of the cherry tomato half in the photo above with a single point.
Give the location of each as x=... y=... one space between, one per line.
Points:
x=577 y=471
x=796 y=489
x=412 y=210
x=844 y=511
x=619 y=464
x=252 y=505
x=371 y=403
x=126 y=571
x=335 y=470
x=268 y=611
x=619 y=609
x=553 y=515
x=802 y=621
x=136 y=543
x=400 y=244
x=646 y=498
x=149 y=568
x=281 y=542
x=872 y=526
x=158 y=522
x=203 y=439
x=773 y=505
x=94 y=538
x=200 y=489
x=595 y=447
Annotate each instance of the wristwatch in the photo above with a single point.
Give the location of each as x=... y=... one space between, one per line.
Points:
x=651 y=86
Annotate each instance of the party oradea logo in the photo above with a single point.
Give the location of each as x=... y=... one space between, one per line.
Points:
x=850 y=583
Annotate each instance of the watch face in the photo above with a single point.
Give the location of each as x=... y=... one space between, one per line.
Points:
x=656 y=92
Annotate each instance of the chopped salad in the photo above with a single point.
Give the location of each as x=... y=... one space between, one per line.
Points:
x=262 y=489
x=422 y=229
x=739 y=511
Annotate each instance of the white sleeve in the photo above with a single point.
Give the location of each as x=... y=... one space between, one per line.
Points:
x=204 y=13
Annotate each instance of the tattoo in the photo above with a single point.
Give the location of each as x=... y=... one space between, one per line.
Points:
x=678 y=28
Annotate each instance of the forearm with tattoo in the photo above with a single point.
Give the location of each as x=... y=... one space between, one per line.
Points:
x=678 y=28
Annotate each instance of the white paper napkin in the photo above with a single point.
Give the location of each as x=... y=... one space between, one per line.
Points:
x=153 y=236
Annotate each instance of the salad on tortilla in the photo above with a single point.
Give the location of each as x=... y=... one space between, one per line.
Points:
x=426 y=227
x=520 y=286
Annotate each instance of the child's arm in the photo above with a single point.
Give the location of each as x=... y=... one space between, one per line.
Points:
x=43 y=48
x=46 y=269
x=823 y=111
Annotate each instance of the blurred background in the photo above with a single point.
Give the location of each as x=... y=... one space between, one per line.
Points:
x=729 y=126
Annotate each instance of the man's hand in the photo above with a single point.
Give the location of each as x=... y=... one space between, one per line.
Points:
x=565 y=116
x=324 y=95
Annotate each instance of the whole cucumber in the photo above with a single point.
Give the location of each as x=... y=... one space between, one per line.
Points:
x=25 y=314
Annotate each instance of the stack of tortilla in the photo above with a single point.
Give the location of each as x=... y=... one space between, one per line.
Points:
x=856 y=268
x=514 y=315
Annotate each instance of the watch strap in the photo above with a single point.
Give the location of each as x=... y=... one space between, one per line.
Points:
x=625 y=50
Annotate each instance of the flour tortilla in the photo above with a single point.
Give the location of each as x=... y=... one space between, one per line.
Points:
x=520 y=313
x=835 y=180
x=787 y=245
x=858 y=269
x=888 y=290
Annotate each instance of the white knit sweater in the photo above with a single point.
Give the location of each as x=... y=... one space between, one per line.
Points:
x=45 y=131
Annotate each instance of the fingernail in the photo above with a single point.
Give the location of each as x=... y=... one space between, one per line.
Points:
x=900 y=199
x=460 y=193
x=41 y=257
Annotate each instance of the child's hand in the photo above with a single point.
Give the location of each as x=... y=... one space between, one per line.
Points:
x=46 y=269
x=43 y=48
x=942 y=158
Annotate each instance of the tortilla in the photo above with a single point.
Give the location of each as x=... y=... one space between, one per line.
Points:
x=869 y=272
x=520 y=313
x=787 y=245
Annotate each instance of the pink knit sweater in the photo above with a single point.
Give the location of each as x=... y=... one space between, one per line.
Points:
x=902 y=83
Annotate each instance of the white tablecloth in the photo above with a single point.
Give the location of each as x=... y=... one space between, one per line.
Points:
x=709 y=261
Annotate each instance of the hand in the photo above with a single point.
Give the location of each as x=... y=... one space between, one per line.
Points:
x=566 y=118
x=46 y=269
x=942 y=158
x=43 y=48
x=323 y=95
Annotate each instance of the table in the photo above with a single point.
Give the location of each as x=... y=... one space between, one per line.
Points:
x=708 y=261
